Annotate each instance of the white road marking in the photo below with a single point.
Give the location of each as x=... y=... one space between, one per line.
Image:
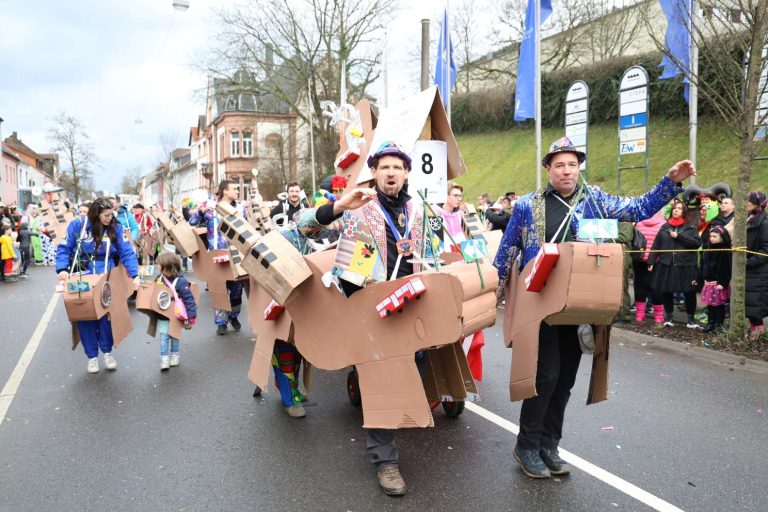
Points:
x=9 y=390
x=614 y=481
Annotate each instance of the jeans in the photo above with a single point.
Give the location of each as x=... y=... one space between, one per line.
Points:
x=235 y=289
x=168 y=344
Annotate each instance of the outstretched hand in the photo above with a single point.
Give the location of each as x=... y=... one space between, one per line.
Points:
x=353 y=199
x=681 y=171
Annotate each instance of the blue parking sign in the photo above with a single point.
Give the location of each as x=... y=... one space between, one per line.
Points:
x=633 y=121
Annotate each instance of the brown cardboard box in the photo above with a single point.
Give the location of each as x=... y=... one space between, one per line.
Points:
x=156 y=300
x=277 y=266
x=55 y=224
x=120 y=289
x=183 y=235
x=88 y=305
x=214 y=274
x=266 y=331
x=233 y=226
x=577 y=291
x=368 y=120
x=383 y=350
x=447 y=375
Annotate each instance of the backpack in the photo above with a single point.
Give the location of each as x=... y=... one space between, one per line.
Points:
x=638 y=244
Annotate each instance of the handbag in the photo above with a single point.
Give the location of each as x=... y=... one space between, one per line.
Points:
x=179 y=309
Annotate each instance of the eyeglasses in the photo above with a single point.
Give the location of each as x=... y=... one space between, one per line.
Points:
x=457 y=195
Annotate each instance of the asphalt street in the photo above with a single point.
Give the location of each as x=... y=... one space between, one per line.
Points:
x=690 y=431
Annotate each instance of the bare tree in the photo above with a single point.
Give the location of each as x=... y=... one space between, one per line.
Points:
x=731 y=36
x=131 y=182
x=70 y=138
x=296 y=47
x=608 y=31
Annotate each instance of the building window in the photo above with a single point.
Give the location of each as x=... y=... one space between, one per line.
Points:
x=273 y=141
x=736 y=15
x=247 y=144
x=234 y=147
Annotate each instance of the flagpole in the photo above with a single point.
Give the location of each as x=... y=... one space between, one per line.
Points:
x=693 y=86
x=447 y=64
x=537 y=91
x=386 y=73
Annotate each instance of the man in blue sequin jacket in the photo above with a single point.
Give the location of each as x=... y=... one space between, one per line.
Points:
x=537 y=218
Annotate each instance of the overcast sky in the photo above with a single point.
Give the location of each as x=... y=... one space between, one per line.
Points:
x=125 y=69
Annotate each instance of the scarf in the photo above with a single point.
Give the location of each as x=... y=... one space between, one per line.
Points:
x=676 y=223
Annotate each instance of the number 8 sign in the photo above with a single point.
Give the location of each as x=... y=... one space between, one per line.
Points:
x=430 y=170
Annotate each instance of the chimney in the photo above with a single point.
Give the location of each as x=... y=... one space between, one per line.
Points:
x=269 y=57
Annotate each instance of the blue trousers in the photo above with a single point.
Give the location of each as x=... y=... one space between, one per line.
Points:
x=95 y=335
x=235 y=289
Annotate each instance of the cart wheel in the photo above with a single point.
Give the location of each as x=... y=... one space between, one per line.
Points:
x=353 y=389
x=453 y=409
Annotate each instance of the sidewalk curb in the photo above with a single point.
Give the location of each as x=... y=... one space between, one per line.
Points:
x=682 y=349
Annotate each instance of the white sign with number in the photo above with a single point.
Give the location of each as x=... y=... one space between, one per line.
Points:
x=429 y=170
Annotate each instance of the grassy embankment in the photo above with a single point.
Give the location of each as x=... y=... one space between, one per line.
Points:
x=503 y=161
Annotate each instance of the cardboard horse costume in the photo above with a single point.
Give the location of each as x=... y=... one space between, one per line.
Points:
x=156 y=300
x=91 y=296
x=584 y=287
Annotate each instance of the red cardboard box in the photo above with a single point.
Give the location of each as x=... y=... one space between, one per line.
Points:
x=273 y=311
x=542 y=266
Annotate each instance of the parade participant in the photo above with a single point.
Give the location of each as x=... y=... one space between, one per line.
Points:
x=170 y=274
x=536 y=219
x=292 y=204
x=207 y=216
x=93 y=246
x=25 y=242
x=716 y=273
x=675 y=272
x=7 y=253
x=125 y=218
x=452 y=215
x=756 y=287
x=82 y=210
x=395 y=221
x=144 y=220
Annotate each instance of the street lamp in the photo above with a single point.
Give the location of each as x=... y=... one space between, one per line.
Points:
x=181 y=5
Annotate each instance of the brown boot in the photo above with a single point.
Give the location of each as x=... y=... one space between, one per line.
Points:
x=390 y=481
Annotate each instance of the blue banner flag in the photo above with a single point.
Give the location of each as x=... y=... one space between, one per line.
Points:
x=445 y=45
x=525 y=103
x=677 y=40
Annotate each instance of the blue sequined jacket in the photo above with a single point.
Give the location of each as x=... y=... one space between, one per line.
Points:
x=525 y=231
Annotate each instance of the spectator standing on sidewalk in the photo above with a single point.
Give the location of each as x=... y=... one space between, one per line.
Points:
x=676 y=270
x=756 y=294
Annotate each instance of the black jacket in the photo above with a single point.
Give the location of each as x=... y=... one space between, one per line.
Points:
x=756 y=295
x=687 y=238
x=716 y=266
x=498 y=220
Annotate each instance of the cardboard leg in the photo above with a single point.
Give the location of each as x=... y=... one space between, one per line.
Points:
x=470 y=387
x=598 y=381
x=261 y=362
x=525 y=357
x=393 y=386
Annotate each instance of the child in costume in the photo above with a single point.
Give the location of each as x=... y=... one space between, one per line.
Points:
x=716 y=271
x=7 y=252
x=171 y=275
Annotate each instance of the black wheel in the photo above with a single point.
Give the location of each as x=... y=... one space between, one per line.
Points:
x=453 y=409
x=406 y=300
x=353 y=389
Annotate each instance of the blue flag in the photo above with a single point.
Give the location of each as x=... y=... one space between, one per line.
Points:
x=677 y=40
x=441 y=58
x=525 y=103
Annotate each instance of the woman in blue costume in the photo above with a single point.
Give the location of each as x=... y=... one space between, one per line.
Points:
x=94 y=245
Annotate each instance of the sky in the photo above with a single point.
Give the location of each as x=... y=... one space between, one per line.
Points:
x=127 y=70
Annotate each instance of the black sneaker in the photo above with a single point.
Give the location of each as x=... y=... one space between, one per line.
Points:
x=235 y=323
x=221 y=330
x=531 y=463
x=556 y=465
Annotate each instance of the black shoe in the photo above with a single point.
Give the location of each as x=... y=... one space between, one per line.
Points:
x=257 y=391
x=709 y=328
x=556 y=465
x=221 y=330
x=235 y=323
x=531 y=463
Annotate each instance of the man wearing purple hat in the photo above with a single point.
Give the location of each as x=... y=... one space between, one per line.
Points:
x=540 y=217
x=395 y=224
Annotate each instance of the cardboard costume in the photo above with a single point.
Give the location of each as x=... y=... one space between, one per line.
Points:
x=156 y=300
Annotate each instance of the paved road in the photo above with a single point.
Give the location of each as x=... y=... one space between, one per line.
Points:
x=690 y=432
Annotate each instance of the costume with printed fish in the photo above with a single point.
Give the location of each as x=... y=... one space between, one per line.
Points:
x=92 y=258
